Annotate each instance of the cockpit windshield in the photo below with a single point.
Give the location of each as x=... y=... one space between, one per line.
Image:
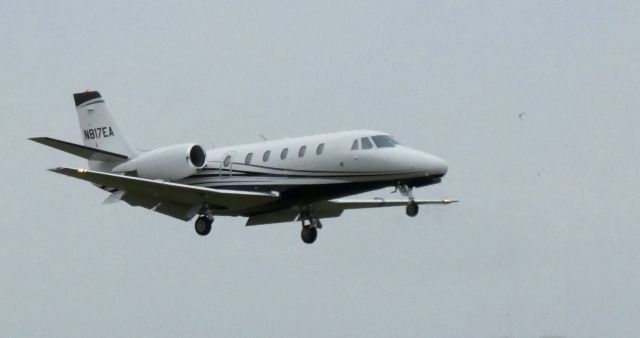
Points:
x=384 y=141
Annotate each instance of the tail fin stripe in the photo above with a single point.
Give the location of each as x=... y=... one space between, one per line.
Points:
x=81 y=98
x=90 y=103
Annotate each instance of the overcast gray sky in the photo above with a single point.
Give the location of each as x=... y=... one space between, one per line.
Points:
x=545 y=242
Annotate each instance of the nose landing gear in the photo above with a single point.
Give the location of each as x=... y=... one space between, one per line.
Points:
x=412 y=207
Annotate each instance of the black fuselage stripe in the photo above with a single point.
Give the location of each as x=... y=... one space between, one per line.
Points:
x=230 y=167
x=227 y=174
x=227 y=180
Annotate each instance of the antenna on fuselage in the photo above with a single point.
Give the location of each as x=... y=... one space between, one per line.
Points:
x=264 y=138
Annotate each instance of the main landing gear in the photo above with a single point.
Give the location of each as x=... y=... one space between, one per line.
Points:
x=412 y=207
x=203 y=223
x=310 y=226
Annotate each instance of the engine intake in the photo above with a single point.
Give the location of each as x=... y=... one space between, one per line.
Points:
x=197 y=156
x=167 y=163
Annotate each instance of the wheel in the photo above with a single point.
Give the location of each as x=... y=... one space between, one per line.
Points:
x=309 y=235
x=203 y=226
x=412 y=209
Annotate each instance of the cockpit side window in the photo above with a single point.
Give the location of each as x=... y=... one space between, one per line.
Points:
x=384 y=141
x=354 y=146
x=366 y=143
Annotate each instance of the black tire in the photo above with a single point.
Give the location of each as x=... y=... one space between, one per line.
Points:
x=309 y=235
x=412 y=209
x=203 y=226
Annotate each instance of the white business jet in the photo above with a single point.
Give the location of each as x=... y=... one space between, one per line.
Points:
x=299 y=178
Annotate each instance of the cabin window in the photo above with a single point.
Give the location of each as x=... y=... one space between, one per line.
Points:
x=354 y=146
x=302 y=150
x=227 y=161
x=283 y=154
x=320 y=149
x=247 y=160
x=265 y=157
x=366 y=143
x=384 y=141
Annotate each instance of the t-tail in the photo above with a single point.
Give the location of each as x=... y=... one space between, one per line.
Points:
x=105 y=146
x=99 y=129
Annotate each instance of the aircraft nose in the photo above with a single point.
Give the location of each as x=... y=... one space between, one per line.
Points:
x=441 y=166
x=435 y=166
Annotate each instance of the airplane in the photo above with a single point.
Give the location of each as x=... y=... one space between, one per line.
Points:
x=301 y=179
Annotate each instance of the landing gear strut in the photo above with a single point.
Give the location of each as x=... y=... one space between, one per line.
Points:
x=203 y=223
x=310 y=226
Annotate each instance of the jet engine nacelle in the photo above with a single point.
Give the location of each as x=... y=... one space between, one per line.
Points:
x=167 y=163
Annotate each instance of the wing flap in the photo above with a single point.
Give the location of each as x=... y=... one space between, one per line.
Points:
x=289 y=215
x=280 y=216
x=139 y=200
x=182 y=212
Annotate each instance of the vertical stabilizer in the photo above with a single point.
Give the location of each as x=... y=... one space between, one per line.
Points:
x=99 y=129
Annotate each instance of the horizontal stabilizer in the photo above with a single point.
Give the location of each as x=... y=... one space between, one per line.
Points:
x=89 y=153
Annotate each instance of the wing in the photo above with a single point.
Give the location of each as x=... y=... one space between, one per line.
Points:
x=173 y=199
x=79 y=150
x=344 y=204
x=333 y=208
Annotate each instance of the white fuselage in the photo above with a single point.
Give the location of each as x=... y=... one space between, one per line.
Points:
x=338 y=168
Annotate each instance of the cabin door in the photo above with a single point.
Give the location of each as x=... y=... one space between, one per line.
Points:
x=226 y=165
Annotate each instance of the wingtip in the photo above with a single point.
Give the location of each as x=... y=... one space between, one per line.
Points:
x=69 y=171
x=56 y=169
